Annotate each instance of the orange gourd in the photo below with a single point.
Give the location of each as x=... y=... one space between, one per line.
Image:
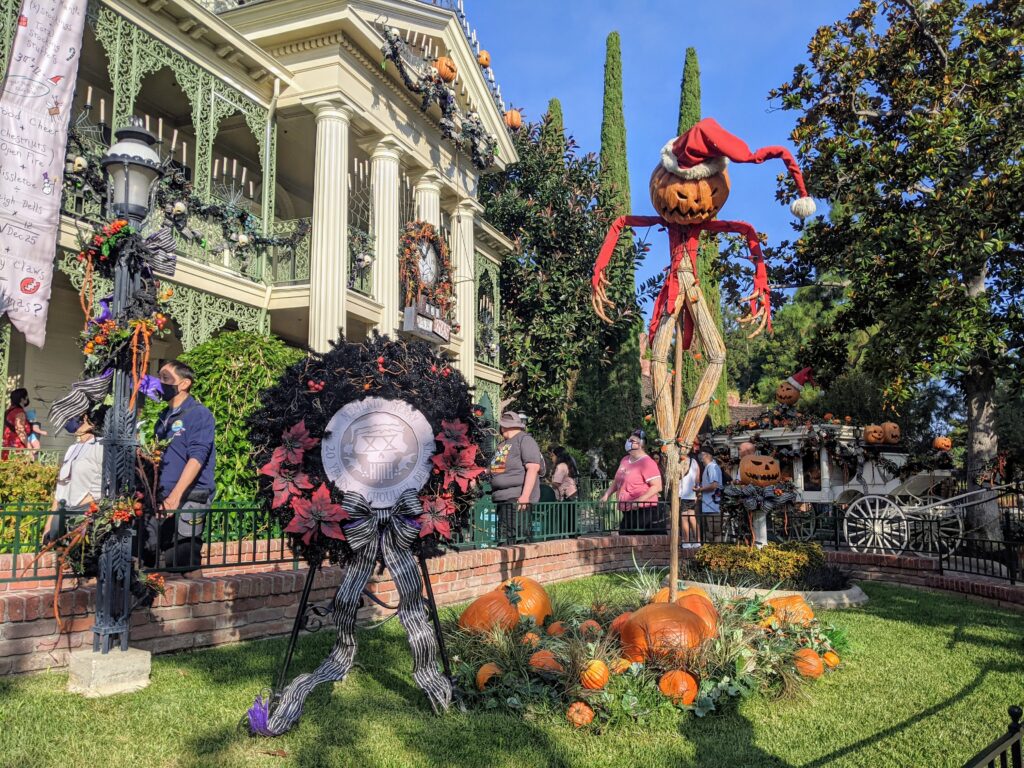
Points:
x=494 y=609
x=658 y=628
x=702 y=607
x=680 y=686
x=531 y=639
x=579 y=714
x=533 y=600
x=594 y=675
x=514 y=119
x=556 y=629
x=792 y=609
x=620 y=666
x=808 y=663
x=446 y=68
x=545 y=661
x=616 y=626
x=590 y=628
x=485 y=673
x=831 y=659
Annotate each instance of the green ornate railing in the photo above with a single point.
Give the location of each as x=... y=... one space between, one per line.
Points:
x=288 y=265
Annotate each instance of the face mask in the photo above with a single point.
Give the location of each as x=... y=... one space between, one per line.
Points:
x=73 y=425
x=631 y=445
x=168 y=391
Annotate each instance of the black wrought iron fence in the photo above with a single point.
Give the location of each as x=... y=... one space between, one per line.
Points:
x=1006 y=751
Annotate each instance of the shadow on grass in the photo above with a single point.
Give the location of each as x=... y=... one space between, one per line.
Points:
x=726 y=741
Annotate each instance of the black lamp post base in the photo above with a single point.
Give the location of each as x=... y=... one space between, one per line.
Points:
x=113 y=591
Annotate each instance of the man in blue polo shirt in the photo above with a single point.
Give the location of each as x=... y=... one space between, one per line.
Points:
x=186 y=469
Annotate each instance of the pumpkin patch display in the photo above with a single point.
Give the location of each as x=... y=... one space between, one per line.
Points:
x=874 y=434
x=446 y=68
x=831 y=659
x=891 y=434
x=792 y=609
x=493 y=609
x=759 y=470
x=704 y=608
x=942 y=443
x=533 y=600
x=545 y=661
x=808 y=663
x=485 y=673
x=594 y=676
x=679 y=686
x=579 y=714
x=661 y=628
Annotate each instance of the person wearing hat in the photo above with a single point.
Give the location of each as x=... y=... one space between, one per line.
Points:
x=80 y=477
x=637 y=486
x=515 y=470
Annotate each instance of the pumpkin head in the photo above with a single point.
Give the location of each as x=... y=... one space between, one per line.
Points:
x=483 y=58
x=831 y=659
x=533 y=600
x=874 y=434
x=759 y=470
x=792 y=609
x=616 y=626
x=446 y=68
x=590 y=628
x=688 y=201
x=485 y=673
x=704 y=608
x=579 y=714
x=786 y=393
x=942 y=443
x=556 y=629
x=594 y=676
x=660 y=628
x=513 y=119
x=680 y=686
x=808 y=663
x=545 y=661
x=891 y=434
x=494 y=609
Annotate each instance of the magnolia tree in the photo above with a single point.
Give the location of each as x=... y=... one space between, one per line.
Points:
x=912 y=126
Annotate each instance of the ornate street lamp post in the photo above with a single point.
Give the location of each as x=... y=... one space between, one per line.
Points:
x=133 y=166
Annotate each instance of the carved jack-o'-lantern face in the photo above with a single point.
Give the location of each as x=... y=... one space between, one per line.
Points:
x=891 y=433
x=759 y=470
x=786 y=393
x=688 y=201
x=873 y=434
x=942 y=443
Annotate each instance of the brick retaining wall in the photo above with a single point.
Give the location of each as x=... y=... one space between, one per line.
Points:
x=224 y=608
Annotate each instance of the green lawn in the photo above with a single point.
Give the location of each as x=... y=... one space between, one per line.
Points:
x=926 y=682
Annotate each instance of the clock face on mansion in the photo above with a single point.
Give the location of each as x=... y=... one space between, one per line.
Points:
x=378 y=448
x=427 y=262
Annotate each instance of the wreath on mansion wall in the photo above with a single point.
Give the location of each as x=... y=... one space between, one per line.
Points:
x=288 y=428
x=422 y=247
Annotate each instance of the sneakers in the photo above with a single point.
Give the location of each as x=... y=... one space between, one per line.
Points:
x=690 y=545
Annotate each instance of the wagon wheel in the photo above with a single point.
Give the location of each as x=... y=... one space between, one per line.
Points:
x=875 y=525
x=936 y=531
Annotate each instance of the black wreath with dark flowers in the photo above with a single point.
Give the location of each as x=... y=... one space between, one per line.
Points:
x=287 y=429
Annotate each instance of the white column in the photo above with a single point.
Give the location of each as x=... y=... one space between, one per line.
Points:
x=328 y=267
x=464 y=258
x=428 y=198
x=384 y=166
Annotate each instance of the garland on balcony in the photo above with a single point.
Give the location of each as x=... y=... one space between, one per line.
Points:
x=440 y=293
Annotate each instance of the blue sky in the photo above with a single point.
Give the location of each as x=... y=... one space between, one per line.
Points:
x=746 y=47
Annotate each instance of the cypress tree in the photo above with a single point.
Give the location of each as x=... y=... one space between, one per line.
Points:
x=554 y=126
x=689 y=115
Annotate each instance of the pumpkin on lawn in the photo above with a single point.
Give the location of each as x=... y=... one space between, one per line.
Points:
x=680 y=686
x=792 y=609
x=579 y=714
x=446 y=68
x=688 y=201
x=594 y=676
x=759 y=470
x=621 y=666
x=545 y=661
x=704 y=608
x=808 y=663
x=831 y=659
x=485 y=673
x=531 y=639
x=493 y=609
x=616 y=626
x=590 y=628
x=660 y=628
x=557 y=629
x=533 y=600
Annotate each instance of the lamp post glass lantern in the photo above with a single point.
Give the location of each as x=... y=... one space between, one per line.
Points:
x=134 y=166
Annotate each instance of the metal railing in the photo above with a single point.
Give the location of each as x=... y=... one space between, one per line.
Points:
x=1004 y=752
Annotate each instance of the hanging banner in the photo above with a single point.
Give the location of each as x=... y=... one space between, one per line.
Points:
x=35 y=107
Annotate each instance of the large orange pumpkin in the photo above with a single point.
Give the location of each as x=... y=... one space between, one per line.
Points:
x=579 y=714
x=891 y=433
x=533 y=600
x=688 y=201
x=680 y=686
x=792 y=609
x=704 y=608
x=759 y=470
x=660 y=627
x=494 y=609
x=545 y=661
x=616 y=626
x=808 y=663
x=594 y=675
x=485 y=673
x=831 y=659
x=693 y=591
x=446 y=68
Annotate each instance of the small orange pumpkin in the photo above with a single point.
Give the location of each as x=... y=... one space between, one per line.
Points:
x=874 y=434
x=808 y=663
x=485 y=673
x=660 y=627
x=891 y=433
x=531 y=639
x=680 y=686
x=590 y=628
x=621 y=666
x=494 y=609
x=514 y=119
x=533 y=600
x=579 y=714
x=446 y=68
x=704 y=608
x=557 y=629
x=616 y=626
x=831 y=659
x=688 y=201
x=483 y=58
x=792 y=609
x=942 y=443
x=594 y=676
x=545 y=661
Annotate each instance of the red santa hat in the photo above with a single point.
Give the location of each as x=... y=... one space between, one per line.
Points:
x=707 y=148
x=800 y=379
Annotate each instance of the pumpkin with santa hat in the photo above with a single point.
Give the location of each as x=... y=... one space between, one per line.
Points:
x=789 y=390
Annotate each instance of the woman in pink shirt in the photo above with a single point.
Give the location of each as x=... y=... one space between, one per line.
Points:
x=637 y=486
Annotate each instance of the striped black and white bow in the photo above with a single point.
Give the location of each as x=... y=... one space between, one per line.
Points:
x=162 y=251
x=83 y=396
x=372 y=534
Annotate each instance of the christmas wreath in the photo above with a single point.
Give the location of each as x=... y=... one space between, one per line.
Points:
x=439 y=293
x=287 y=429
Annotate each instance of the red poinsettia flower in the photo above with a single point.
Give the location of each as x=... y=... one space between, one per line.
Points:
x=458 y=465
x=288 y=481
x=454 y=434
x=436 y=511
x=295 y=441
x=318 y=514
